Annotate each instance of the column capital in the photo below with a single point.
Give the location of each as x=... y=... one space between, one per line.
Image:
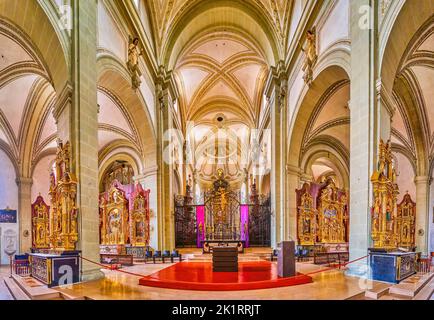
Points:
x=422 y=180
x=23 y=181
x=293 y=170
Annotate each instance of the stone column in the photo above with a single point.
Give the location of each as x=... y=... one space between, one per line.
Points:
x=368 y=124
x=76 y=114
x=422 y=213
x=25 y=213
x=166 y=94
x=292 y=183
x=276 y=93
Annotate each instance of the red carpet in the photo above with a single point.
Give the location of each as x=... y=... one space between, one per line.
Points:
x=199 y=276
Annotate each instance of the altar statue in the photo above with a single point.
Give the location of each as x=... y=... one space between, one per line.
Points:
x=133 y=62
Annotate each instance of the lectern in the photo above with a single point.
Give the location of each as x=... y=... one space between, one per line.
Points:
x=286 y=259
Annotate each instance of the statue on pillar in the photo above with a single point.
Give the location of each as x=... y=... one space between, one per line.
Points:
x=134 y=53
x=311 y=56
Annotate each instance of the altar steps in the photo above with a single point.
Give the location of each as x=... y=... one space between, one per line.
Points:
x=28 y=288
x=417 y=287
x=411 y=286
x=16 y=292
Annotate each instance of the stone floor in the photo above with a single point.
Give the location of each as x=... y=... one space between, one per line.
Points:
x=4 y=292
x=333 y=285
x=328 y=285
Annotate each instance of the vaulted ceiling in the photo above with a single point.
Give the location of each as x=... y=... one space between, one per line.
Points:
x=166 y=13
x=412 y=126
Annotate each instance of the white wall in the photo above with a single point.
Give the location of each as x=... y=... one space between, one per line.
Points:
x=41 y=178
x=8 y=198
x=336 y=26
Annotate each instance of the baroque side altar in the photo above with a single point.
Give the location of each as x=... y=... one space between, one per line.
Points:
x=384 y=227
x=63 y=232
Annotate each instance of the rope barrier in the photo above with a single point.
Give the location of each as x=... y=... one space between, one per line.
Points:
x=141 y=276
x=339 y=266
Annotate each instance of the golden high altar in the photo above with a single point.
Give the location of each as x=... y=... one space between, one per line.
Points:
x=63 y=232
x=384 y=226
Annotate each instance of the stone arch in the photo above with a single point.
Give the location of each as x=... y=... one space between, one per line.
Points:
x=335 y=162
x=310 y=97
x=49 y=46
x=112 y=76
x=120 y=153
x=408 y=22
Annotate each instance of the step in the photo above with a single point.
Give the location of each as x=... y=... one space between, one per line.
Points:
x=15 y=289
x=40 y=292
x=378 y=290
x=426 y=292
x=412 y=285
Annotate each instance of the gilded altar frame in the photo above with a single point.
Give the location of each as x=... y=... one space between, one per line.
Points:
x=63 y=195
x=139 y=217
x=332 y=215
x=40 y=224
x=406 y=221
x=307 y=217
x=115 y=216
x=384 y=219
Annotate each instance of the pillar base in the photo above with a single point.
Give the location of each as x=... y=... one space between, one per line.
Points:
x=358 y=269
x=92 y=275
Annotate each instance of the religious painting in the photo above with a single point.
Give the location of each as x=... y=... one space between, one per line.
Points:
x=115 y=216
x=40 y=224
x=139 y=217
x=8 y=216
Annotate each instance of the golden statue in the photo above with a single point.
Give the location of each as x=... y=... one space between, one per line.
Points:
x=133 y=62
x=311 y=56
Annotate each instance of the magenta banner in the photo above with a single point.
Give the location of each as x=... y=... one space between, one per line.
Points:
x=245 y=224
x=200 y=222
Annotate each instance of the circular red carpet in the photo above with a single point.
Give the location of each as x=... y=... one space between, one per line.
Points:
x=199 y=276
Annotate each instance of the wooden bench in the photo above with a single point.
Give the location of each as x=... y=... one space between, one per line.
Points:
x=122 y=259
